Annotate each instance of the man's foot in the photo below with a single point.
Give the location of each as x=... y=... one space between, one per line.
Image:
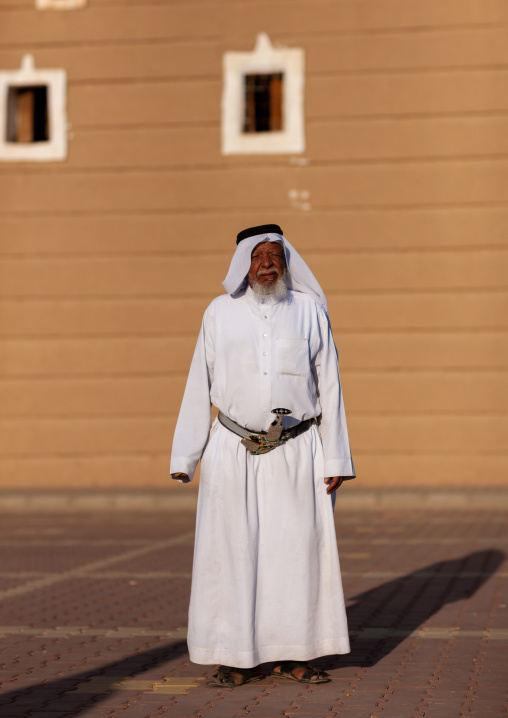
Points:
x=300 y=671
x=230 y=677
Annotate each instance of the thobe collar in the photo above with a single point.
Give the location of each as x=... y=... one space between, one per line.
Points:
x=267 y=301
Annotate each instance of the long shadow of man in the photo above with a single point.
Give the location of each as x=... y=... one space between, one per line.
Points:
x=59 y=697
x=386 y=615
x=403 y=604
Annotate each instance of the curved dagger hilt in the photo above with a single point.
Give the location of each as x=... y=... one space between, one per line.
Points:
x=275 y=429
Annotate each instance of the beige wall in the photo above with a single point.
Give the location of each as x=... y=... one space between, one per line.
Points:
x=109 y=259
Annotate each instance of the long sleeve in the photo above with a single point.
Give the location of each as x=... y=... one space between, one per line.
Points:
x=333 y=428
x=193 y=425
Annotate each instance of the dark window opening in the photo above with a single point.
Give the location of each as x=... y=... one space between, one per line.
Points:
x=263 y=103
x=27 y=114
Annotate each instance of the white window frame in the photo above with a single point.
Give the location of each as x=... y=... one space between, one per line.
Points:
x=265 y=59
x=55 y=148
x=59 y=4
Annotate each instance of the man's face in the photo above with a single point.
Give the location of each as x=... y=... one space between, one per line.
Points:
x=267 y=263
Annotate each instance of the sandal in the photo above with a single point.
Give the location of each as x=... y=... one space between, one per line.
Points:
x=224 y=679
x=311 y=675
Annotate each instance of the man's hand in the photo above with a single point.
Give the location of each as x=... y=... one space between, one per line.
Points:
x=184 y=478
x=333 y=483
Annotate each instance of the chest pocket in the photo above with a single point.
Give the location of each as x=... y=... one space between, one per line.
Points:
x=292 y=357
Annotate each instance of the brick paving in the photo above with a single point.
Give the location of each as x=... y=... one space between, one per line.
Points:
x=93 y=609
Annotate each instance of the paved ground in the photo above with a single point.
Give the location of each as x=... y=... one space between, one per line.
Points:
x=93 y=613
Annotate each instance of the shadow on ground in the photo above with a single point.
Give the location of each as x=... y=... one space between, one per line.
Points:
x=403 y=604
x=407 y=602
x=56 y=698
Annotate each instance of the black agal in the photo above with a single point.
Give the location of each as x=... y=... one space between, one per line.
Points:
x=260 y=229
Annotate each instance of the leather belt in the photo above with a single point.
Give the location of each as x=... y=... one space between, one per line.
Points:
x=257 y=442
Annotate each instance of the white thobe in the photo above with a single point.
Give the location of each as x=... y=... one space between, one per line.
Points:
x=266 y=580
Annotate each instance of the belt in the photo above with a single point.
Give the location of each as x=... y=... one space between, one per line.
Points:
x=256 y=441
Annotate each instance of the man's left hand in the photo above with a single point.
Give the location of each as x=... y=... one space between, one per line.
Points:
x=333 y=483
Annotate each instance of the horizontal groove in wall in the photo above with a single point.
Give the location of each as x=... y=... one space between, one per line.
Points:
x=58 y=378
x=163 y=340
x=202 y=296
x=224 y=167
x=172 y=416
x=158 y=455
x=191 y=335
x=408 y=116
x=356 y=415
x=152 y=80
x=206 y=297
x=350 y=371
x=289 y=39
x=399 y=372
x=392 y=118
x=197 y=124
x=310 y=252
x=385 y=208
x=279 y=165
x=216 y=77
x=366 y=213
x=451 y=69
x=97 y=456
x=156 y=125
x=116 y=42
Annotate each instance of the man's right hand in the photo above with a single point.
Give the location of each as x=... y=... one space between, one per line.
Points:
x=184 y=478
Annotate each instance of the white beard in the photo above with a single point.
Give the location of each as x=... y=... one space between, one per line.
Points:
x=278 y=290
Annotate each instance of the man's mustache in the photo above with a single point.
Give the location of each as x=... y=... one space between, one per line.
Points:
x=262 y=273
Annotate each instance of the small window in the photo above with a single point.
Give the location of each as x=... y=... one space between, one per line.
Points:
x=262 y=100
x=263 y=103
x=33 y=120
x=27 y=114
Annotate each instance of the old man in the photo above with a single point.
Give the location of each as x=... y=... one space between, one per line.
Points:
x=266 y=583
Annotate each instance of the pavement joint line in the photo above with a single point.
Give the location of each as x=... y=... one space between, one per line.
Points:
x=92 y=574
x=354 y=541
x=427 y=541
x=170 y=500
x=94 y=566
x=181 y=633
x=176 y=574
x=71 y=631
x=88 y=543
x=492 y=633
x=426 y=574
